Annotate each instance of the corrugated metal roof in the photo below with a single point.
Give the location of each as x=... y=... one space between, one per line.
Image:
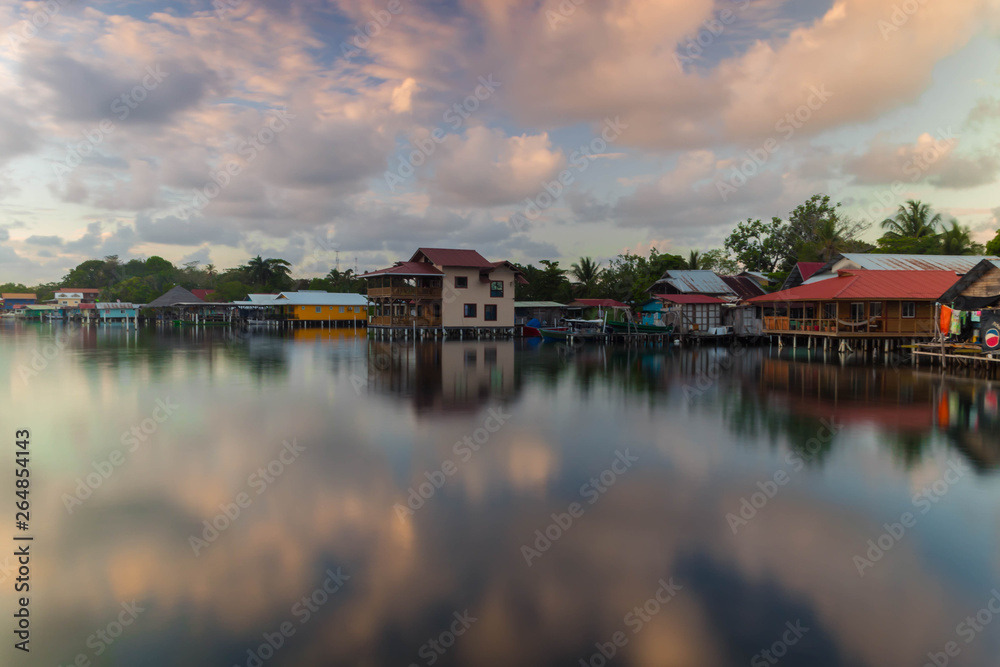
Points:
x=320 y=299
x=696 y=282
x=864 y=284
x=407 y=269
x=893 y=262
x=744 y=286
x=114 y=305
x=598 y=303
x=807 y=269
x=688 y=298
x=81 y=290
x=461 y=257
x=13 y=295
x=538 y=304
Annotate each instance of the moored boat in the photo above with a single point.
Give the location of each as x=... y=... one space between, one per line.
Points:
x=635 y=327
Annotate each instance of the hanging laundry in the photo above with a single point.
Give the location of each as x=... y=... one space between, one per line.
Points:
x=956 y=322
x=976 y=315
x=945 y=322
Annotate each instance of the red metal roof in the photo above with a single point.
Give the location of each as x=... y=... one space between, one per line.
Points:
x=807 y=269
x=862 y=284
x=453 y=257
x=87 y=306
x=406 y=269
x=202 y=293
x=598 y=303
x=688 y=298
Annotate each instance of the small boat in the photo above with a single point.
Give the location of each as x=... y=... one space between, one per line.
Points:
x=577 y=330
x=535 y=332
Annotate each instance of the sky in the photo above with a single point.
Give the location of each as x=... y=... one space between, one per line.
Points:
x=359 y=130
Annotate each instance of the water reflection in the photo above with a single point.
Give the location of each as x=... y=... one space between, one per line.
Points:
x=708 y=427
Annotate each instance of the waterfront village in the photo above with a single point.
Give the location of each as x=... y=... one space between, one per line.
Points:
x=945 y=307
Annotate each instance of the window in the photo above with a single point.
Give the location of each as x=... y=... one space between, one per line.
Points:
x=875 y=309
x=490 y=312
x=830 y=311
x=302 y=308
x=857 y=312
x=496 y=288
x=909 y=309
x=341 y=309
x=461 y=282
x=470 y=310
x=319 y=309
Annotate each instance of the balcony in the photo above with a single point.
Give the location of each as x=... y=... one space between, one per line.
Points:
x=832 y=327
x=405 y=292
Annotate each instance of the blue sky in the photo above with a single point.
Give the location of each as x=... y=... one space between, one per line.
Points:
x=312 y=125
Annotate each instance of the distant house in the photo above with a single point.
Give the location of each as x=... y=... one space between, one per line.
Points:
x=116 y=311
x=16 y=301
x=444 y=288
x=691 y=282
x=546 y=312
x=800 y=273
x=741 y=316
x=339 y=309
x=72 y=297
x=859 y=304
x=203 y=294
x=977 y=290
x=697 y=314
x=960 y=264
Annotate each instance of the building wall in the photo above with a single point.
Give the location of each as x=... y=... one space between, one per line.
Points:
x=327 y=313
x=987 y=285
x=454 y=299
x=9 y=304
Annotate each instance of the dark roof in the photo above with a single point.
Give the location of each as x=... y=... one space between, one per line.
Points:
x=688 y=298
x=597 y=303
x=863 y=284
x=406 y=269
x=800 y=273
x=176 y=295
x=453 y=257
x=954 y=293
x=744 y=286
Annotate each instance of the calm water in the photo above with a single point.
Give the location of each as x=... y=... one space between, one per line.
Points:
x=495 y=503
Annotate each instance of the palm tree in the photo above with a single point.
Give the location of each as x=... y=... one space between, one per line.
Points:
x=956 y=240
x=280 y=271
x=694 y=259
x=258 y=271
x=210 y=270
x=587 y=272
x=912 y=220
x=829 y=239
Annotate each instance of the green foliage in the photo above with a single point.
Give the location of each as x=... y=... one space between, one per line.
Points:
x=993 y=247
x=721 y=262
x=817 y=232
x=759 y=246
x=587 y=273
x=912 y=220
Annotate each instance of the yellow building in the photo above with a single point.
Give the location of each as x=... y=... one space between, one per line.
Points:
x=314 y=306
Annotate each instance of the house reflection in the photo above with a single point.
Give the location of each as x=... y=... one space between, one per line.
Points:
x=442 y=377
x=968 y=413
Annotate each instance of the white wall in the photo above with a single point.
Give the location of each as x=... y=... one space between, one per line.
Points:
x=454 y=299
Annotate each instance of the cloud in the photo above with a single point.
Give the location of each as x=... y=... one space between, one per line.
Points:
x=170 y=230
x=51 y=241
x=487 y=168
x=930 y=159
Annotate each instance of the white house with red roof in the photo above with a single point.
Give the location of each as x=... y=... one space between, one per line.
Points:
x=445 y=289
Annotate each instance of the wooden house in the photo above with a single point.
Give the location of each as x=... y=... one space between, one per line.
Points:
x=858 y=304
x=441 y=288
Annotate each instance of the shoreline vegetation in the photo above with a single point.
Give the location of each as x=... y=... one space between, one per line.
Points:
x=814 y=231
